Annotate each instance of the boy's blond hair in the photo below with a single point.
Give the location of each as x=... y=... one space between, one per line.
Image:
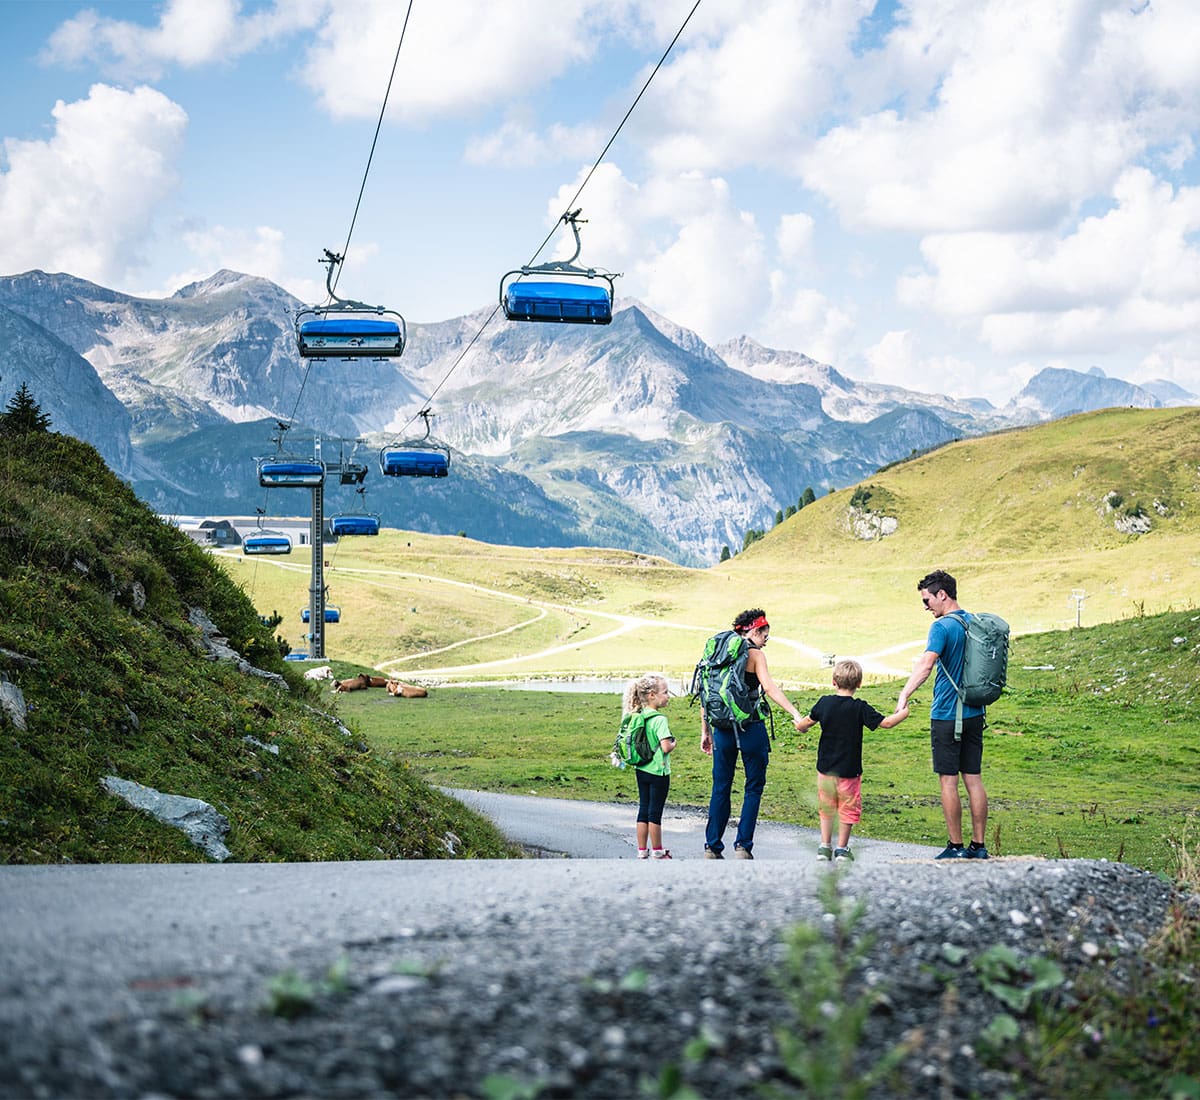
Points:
x=847 y=675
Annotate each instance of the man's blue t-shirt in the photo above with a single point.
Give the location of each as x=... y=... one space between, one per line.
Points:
x=947 y=638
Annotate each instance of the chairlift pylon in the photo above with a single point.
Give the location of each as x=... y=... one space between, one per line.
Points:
x=569 y=295
x=346 y=329
x=416 y=457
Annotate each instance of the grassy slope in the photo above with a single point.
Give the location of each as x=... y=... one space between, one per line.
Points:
x=1019 y=517
x=120 y=688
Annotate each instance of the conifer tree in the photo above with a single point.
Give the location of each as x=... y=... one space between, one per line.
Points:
x=23 y=415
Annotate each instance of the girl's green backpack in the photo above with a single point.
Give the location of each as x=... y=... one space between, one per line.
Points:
x=632 y=747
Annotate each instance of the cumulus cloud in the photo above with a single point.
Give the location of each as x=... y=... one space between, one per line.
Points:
x=84 y=200
x=261 y=251
x=456 y=57
x=1132 y=271
x=188 y=33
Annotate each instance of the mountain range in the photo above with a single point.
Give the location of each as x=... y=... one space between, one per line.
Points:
x=635 y=434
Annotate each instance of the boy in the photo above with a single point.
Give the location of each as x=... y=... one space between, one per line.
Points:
x=839 y=755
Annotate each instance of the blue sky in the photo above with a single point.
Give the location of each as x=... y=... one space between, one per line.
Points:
x=947 y=195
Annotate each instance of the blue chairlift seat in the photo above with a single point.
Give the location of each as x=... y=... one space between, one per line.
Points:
x=290 y=473
x=567 y=302
x=332 y=615
x=354 y=525
x=415 y=462
x=379 y=335
x=267 y=542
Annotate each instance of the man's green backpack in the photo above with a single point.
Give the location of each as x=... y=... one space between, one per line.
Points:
x=985 y=662
x=632 y=748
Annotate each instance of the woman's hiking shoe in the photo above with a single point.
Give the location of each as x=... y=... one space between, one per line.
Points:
x=742 y=853
x=825 y=852
x=976 y=850
x=952 y=851
x=712 y=853
x=842 y=855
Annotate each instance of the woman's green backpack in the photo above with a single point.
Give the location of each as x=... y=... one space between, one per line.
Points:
x=632 y=747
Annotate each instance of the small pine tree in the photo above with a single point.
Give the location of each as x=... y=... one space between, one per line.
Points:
x=725 y=553
x=23 y=415
x=778 y=516
x=808 y=498
x=791 y=511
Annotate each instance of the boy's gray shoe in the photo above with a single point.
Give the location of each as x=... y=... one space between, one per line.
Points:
x=975 y=851
x=842 y=855
x=825 y=852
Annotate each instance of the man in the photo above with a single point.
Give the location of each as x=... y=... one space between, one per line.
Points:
x=951 y=757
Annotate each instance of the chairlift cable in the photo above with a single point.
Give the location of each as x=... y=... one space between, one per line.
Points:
x=603 y=153
x=374 y=141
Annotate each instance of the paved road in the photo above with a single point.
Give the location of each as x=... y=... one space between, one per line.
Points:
x=605 y=830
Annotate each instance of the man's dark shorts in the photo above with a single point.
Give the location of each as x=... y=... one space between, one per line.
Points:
x=951 y=757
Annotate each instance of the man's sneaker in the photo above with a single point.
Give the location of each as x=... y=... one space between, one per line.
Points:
x=842 y=855
x=662 y=853
x=643 y=853
x=952 y=851
x=742 y=853
x=825 y=852
x=712 y=853
x=975 y=851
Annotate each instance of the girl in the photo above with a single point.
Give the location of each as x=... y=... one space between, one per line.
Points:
x=649 y=694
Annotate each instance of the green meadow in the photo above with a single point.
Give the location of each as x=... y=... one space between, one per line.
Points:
x=1097 y=756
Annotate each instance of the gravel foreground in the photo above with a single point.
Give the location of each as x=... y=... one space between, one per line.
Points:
x=426 y=978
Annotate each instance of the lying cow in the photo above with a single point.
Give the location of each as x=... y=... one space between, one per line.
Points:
x=358 y=683
x=322 y=673
x=402 y=690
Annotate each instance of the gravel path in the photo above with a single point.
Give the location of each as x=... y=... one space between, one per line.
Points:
x=576 y=977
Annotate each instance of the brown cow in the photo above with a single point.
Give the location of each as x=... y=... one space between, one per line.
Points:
x=402 y=690
x=358 y=683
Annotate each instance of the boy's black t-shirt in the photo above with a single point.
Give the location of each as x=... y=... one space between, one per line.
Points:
x=842 y=718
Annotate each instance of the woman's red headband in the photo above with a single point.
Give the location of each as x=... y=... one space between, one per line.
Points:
x=759 y=622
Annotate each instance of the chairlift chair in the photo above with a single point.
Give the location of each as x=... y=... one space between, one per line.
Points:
x=346 y=329
x=416 y=457
x=284 y=472
x=570 y=295
x=354 y=525
x=267 y=542
x=332 y=615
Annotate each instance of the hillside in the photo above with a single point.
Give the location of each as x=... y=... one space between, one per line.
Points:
x=1024 y=518
x=95 y=639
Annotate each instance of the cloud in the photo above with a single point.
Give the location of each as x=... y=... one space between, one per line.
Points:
x=189 y=33
x=747 y=84
x=84 y=201
x=901 y=359
x=1129 y=273
x=516 y=144
x=1013 y=113
x=457 y=58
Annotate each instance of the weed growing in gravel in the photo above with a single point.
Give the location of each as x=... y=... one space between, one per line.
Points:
x=1124 y=1028
x=822 y=1056
x=290 y=995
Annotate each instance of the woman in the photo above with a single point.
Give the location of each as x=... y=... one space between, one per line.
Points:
x=723 y=742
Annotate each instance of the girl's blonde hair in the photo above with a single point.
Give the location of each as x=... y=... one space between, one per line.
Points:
x=637 y=692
